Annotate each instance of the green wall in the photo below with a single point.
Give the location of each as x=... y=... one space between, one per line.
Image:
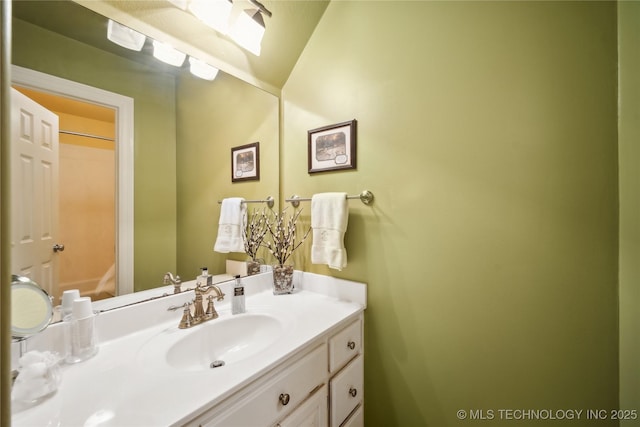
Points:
x=629 y=159
x=487 y=132
x=212 y=118
x=154 y=134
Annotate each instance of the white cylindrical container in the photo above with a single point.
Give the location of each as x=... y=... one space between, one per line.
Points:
x=81 y=329
x=82 y=308
x=68 y=297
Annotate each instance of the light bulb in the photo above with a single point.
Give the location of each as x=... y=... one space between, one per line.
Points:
x=168 y=54
x=202 y=69
x=125 y=36
x=214 y=13
x=249 y=30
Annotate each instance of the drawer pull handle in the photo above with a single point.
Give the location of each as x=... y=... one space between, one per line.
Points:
x=284 y=399
x=353 y=392
x=351 y=345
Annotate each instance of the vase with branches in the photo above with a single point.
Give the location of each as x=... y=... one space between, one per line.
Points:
x=284 y=241
x=254 y=234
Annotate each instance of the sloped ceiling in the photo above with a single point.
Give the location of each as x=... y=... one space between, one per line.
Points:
x=287 y=32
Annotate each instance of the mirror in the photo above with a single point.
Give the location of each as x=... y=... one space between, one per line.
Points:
x=31 y=308
x=183 y=132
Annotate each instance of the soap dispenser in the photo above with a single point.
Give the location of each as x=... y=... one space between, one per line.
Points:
x=237 y=302
x=203 y=279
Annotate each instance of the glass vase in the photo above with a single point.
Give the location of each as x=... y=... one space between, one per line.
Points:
x=254 y=266
x=282 y=279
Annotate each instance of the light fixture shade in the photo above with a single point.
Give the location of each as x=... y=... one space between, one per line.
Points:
x=182 y=4
x=202 y=69
x=125 y=36
x=249 y=30
x=166 y=53
x=214 y=13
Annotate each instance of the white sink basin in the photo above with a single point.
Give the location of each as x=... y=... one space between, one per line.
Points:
x=228 y=340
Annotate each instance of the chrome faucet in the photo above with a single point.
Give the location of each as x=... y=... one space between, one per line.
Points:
x=200 y=314
x=170 y=280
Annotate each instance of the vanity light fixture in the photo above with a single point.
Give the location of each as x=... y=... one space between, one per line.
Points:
x=201 y=69
x=168 y=54
x=249 y=28
x=214 y=13
x=125 y=36
x=181 y=4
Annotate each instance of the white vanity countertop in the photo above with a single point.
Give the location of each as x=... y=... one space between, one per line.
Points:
x=121 y=387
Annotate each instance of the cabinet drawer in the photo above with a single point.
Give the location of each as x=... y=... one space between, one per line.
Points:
x=345 y=345
x=356 y=419
x=276 y=398
x=312 y=413
x=346 y=390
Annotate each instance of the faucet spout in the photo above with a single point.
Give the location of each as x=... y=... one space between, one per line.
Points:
x=219 y=295
x=175 y=281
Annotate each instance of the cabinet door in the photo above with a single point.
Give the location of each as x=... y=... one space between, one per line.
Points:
x=275 y=398
x=312 y=413
x=356 y=419
x=346 y=391
x=345 y=345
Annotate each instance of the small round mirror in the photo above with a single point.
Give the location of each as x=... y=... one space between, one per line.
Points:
x=31 y=307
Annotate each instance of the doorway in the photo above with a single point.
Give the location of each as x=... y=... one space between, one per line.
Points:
x=123 y=135
x=86 y=194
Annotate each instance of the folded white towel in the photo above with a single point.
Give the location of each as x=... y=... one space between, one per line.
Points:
x=329 y=217
x=233 y=219
x=38 y=376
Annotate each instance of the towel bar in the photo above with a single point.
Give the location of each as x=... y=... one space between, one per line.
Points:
x=269 y=201
x=365 y=197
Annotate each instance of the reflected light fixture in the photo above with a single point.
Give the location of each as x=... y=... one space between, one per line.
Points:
x=125 y=36
x=214 y=13
x=201 y=69
x=249 y=28
x=168 y=54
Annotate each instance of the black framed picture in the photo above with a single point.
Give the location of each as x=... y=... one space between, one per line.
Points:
x=245 y=162
x=332 y=147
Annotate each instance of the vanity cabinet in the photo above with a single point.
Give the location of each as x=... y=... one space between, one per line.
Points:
x=346 y=369
x=317 y=388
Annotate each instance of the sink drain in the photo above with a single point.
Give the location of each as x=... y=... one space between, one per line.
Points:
x=216 y=364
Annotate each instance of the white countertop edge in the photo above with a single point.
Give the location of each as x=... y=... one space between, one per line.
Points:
x=343 y=290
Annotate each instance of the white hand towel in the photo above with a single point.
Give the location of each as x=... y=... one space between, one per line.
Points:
x=233 y=219
x=329 y=217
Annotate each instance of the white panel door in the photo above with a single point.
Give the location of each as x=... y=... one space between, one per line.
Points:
x=34 y=191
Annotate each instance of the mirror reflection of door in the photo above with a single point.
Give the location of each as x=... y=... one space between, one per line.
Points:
x=34 y=170
x=86 y=195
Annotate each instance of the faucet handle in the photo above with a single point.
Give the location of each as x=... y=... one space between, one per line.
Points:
x=187 y=319
x=211 y=312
